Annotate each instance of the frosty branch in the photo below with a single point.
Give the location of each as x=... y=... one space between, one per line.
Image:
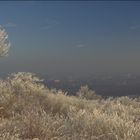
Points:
x=4 y=43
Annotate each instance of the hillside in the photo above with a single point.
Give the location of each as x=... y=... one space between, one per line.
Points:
x=29 y=110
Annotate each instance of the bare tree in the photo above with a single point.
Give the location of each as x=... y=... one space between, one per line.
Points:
x=4 y=43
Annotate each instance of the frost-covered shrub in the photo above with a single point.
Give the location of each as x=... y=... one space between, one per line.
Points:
x=85 y=93
x=4 y=43
x=25 y=82
x=19 y=90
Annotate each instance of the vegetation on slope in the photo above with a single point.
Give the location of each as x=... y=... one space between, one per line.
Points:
x=29 y=110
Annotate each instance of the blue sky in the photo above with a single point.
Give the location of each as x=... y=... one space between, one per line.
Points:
x=71 y=37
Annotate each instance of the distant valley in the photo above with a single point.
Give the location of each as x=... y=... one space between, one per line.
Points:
x=122 y=85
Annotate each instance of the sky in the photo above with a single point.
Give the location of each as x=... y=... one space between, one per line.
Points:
x=69 y=37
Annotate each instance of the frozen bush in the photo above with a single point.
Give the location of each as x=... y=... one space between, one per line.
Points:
x=4 y=43
x=85 y=93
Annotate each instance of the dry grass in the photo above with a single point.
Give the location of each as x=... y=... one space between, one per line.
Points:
x=28 y=110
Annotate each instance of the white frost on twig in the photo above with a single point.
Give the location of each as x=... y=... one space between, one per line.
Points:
x=4 y=43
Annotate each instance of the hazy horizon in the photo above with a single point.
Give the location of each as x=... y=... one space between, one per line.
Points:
x=64 y=38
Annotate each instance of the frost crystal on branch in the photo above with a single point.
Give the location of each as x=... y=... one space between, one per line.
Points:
x=4 y=43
